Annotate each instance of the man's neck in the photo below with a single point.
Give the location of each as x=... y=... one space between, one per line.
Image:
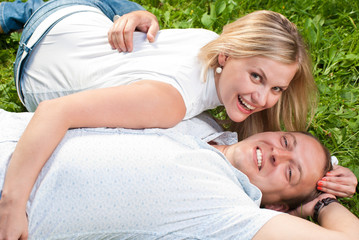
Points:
x=221 y=148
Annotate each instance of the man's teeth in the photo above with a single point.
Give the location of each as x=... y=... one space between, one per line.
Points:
x=250 y=107
x=259 y=157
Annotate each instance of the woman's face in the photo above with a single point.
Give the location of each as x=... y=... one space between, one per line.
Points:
x=248 y=85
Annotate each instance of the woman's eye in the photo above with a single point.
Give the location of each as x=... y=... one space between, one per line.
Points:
x=277 y=89
x=256 y=77
x=290 y=174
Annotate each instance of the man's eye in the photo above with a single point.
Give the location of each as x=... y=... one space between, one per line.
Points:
x=285 y=142
x=290 y=174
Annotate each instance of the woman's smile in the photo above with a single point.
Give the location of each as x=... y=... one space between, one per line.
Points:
x=243 y=104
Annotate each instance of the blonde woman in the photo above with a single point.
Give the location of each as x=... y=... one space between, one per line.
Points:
x=263 y=58
x=269 y=35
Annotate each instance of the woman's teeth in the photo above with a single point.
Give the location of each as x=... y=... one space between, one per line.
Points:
x=249 y=107
x=259 y=157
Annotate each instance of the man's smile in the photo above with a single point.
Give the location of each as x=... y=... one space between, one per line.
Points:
x=259 y=158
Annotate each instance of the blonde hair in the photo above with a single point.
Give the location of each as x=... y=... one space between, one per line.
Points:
x=269 y=34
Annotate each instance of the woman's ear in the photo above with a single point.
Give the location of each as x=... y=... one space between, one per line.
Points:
x=222 y=59
x=280 y=207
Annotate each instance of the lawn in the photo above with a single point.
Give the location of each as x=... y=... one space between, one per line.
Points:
x=331 y=30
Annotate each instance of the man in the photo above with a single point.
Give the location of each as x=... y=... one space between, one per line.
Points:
x=155 y=183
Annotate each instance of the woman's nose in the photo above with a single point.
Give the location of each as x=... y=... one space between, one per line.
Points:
x=260 y=97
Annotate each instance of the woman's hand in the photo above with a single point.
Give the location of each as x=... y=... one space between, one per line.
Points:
x=340 y=182
x=120 y=36
x=13 y=221
x=307 y=209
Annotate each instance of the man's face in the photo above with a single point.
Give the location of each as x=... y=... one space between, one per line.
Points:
x=282 y=165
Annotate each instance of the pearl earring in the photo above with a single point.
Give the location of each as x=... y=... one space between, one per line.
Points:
x=219 y=70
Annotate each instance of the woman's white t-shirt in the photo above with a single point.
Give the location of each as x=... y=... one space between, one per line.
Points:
x=75 y=56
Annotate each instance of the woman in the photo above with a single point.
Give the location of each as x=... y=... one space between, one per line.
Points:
x=230 y=45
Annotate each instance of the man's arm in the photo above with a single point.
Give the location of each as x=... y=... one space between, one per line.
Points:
x=335 y=222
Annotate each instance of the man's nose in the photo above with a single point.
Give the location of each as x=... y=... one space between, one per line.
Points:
x=281 y=156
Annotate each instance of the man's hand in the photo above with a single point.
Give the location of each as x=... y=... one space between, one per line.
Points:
x=13 y=222
x=340 y=182
x=120 y=36
x=307 y=209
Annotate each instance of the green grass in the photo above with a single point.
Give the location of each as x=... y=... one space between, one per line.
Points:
x=331 y=30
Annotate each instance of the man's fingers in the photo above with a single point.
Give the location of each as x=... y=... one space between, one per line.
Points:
x=116 y=35
x=128 y=34
x=152 y=32
x=109 y=37
x=119 y=35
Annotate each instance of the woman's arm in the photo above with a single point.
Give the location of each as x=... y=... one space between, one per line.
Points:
x=140 y=105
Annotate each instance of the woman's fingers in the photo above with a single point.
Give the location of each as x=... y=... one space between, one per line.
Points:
x=338 y=186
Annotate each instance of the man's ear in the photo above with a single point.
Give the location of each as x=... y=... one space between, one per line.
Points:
x=222 y=59
x=280 y=207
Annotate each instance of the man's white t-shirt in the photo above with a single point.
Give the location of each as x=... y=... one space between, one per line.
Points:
x=136 y=184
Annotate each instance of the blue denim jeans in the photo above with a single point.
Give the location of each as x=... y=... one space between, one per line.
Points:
x=28 y=15
x=13 y=15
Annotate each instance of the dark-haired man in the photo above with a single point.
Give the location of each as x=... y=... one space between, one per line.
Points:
x=162 y=183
